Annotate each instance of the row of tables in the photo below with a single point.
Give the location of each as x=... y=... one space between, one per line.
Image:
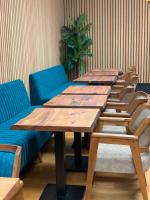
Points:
x=75 y=110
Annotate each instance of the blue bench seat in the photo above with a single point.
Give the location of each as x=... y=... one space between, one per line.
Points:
x=15 y=105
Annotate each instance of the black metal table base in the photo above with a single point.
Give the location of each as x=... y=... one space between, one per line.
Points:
x=72 y=167
x=72 y=193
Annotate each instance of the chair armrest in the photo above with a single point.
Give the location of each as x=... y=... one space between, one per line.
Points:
x=117 y=114
x=117 y=87
x=114 y=138
x=114 y=95
x=17 y=159
x=114 y=92
x=113 y=100
x=121 y=82
x=130 y=89
x=114 y=119
x=117 y=105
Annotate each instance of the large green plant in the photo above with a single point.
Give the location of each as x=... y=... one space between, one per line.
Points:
x=77 y=42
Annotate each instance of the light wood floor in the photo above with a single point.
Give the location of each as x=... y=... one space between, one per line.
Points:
x=106 y=187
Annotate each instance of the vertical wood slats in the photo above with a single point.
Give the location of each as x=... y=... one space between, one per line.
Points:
x=120 y=33
x=29 y=36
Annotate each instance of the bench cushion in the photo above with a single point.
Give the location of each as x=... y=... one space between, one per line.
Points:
x=44 y=82
x=8 y=124
x=30 y=141
x=6 y=162
x=13 y=99
x=56 y=92
x=48 y=83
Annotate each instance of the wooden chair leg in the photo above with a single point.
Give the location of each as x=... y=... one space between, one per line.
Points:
x=91 y=167
x=139 y=169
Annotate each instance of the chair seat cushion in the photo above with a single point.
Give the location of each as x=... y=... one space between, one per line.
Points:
x=58 y=91
x=114 y=129
x=118 y=159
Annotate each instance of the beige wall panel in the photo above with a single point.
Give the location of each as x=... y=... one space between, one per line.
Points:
x=29 y=36
x=120 y=33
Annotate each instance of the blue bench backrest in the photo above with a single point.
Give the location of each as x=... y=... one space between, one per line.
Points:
x=13 y=99
x=45 y=81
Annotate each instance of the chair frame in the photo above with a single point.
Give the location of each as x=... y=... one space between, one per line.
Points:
x=128 y=78
x=128 y=107
x=116 y=96
x=17 y=159
x=130 y=140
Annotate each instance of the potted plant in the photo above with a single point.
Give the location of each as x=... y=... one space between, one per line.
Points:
x=77 y=42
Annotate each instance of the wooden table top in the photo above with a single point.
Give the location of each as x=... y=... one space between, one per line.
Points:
x=59 y=119
x=8 y=187
x=103 y=73
x=97 y=79
x=89 y=89
x=78 y=101
x=119 y=71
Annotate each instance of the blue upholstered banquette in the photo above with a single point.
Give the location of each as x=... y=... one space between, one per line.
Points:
x=46 y=84
x=14 y=105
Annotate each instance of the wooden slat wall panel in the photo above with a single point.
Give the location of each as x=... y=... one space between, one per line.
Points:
x=120 y=33
x=29 y=36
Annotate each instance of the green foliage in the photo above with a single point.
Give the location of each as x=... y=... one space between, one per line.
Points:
x=77 y=41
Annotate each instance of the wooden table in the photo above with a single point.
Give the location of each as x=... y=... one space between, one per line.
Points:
x=88 y=90
x=60 y=120
x=103 y=73
x=11 y=188
x=105 y=80
x=78 y=101
x=119 y=71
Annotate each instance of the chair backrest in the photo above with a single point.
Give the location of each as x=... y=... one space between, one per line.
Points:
x=10 y=158
x=44 y=82
x=13 y=99
x=138 y=99
x=144 y=140
x=132 y=68
x=140 y=114
x=127 y=94
x=130 y=78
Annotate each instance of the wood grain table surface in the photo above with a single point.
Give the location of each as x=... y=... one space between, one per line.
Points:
x=78 y=101
x=107 y=70
x=88 y=90
x=108 y=80
x=59 y=120
x=8 y=186
x=103 y=73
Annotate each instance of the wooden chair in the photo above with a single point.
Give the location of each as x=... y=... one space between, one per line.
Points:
x=127 y=79
x=17 y=159
x=121 y=96
x=123 y=109
x=121 y=153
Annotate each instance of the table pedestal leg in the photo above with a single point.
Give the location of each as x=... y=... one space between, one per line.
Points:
x=86 y=141
x=61 y=191
x=77 y=163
